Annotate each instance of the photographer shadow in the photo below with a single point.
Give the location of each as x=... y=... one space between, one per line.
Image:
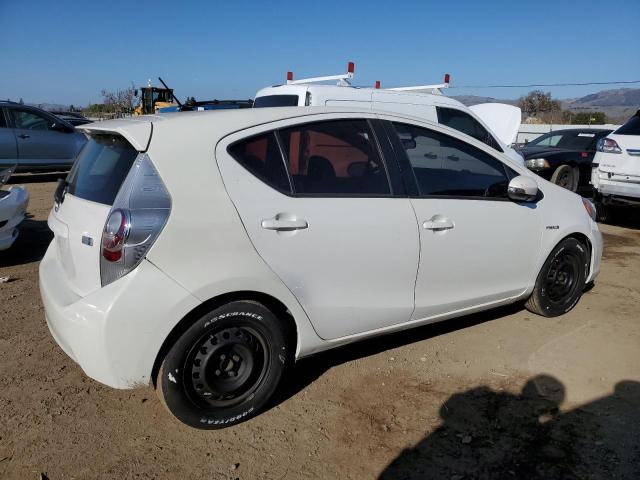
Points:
x=489 y=434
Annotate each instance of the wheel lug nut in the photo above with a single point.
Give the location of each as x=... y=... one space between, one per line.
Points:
x=217 y=373
x=236 y=358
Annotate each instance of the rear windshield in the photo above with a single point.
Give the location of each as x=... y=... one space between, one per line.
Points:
x=632 y=127
x=276 y=101
x=100 y=168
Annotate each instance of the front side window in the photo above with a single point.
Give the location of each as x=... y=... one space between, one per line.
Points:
x=261 y=156
x=465 y=123
x=335 y=158
x=28 y=120
x=276 y=101
x=445 y=166
x=3 y=120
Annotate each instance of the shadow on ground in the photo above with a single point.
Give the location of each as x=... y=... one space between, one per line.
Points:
x=307 y=370
x=627 y=217
x=30 y=245
x=489 y=434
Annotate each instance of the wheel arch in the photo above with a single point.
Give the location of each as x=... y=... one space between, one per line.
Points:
x=279 y=309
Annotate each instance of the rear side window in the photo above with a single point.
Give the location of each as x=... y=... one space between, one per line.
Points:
x=276 y=101
x=3 y=120
x=100 y=168
x=261 y=156
x=465 y=123
x=334 y=158
x=632 y=127
x=445 y=166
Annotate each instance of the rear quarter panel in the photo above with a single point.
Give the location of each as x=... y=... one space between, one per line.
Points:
x=204 y=246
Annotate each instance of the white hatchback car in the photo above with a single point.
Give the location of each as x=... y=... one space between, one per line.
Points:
x=204 y=252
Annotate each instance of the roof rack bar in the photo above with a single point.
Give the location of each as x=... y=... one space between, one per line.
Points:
x=425 y=88
x=343 y=79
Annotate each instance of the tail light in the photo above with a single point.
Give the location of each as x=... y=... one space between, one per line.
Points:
x=447 y=77
x=138 y=215
x=608 y=145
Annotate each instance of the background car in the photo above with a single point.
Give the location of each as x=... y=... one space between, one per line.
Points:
x=564 y=156
x=616 y=169
x=35 y=140
x=13 y=207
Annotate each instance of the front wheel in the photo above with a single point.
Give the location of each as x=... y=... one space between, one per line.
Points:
x=561 y=280
x=225 y=367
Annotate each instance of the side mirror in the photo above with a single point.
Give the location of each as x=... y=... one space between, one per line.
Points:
x=59 y=127
x=522 y=189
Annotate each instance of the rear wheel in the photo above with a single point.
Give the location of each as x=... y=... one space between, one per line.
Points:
x=225 y=367
x=565 y=177
x=561 y=280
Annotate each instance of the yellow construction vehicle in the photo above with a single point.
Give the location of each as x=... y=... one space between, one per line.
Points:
x=154 y=98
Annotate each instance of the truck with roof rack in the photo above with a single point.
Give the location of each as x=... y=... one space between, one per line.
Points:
x=494 y=124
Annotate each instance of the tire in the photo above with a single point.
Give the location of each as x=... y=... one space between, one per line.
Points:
x=225 y=367
x=561 y=280
x=565 y=176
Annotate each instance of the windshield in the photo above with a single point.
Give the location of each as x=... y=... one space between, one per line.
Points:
x=573 y=140
x=276 y=101
x=100 y=168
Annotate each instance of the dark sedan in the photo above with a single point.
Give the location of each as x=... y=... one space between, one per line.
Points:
x=564 y=156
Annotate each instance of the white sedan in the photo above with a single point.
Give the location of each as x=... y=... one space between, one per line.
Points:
x=205 y=252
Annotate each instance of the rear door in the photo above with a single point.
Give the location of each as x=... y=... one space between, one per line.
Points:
x=8 y=145
x=40 y=143
x=317 y=204
x=78 y=221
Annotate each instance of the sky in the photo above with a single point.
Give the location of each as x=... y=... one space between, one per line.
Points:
x=68 y=51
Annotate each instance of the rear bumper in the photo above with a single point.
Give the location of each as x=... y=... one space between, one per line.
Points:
x=13 y=207
x=115 y=332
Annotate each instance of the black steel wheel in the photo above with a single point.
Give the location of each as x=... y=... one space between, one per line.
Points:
x=561 y=280
x=225 y=367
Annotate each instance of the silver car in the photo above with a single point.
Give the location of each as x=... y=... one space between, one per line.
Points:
x=36 y=140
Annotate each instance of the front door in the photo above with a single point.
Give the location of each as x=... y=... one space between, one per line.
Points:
x=477 y=246
x=326 y=222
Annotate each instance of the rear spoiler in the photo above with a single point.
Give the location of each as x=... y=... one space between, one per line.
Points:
x=137 y=131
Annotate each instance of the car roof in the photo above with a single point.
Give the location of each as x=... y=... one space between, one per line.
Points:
x=137 y=130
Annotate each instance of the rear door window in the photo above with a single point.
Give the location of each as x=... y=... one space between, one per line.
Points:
x=100 y=168
x=276 y=101
x=465 y=123
x=632 y=127
x=334 y=158
x=3 y=120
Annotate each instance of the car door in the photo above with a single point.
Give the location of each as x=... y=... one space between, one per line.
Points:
x=477 y=246
x=43 y=142
x=316 y=202
x=8 y=145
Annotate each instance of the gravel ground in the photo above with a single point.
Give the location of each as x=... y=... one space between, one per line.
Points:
x=503 y=394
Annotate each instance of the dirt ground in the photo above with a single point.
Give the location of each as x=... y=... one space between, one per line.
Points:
x=504 y=394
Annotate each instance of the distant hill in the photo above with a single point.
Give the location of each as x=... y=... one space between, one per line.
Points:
x=617 y=104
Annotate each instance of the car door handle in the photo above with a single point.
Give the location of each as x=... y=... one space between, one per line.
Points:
x=430 y=155
x=438 y=224
x=453 y=158
x=24 y=135
x=283 y=225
